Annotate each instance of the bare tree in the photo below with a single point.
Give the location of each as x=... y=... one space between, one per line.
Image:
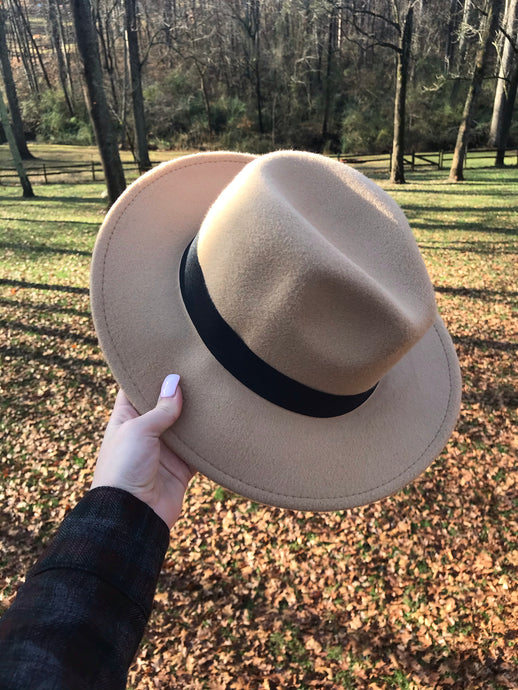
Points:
x=104 y=128
x=17 y=159
x=24 y=29
x=507 y=118
x=405 y=25
x=400 y=24
x=108 y=19
x=505 y=91
x=454 y=18
x=10 y=90
x=193 y=46
x=142 y=153
x=493 y=11
x=248 y=15
x=331 y=48
x=55 y=28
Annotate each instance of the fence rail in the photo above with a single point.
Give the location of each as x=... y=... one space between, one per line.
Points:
x=436 y=159
x=92 y=170
x=414 y=160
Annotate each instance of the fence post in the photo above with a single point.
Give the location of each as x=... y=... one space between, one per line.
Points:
x=413 y=161
x=45 y=173
x=93 y=171
x=439 y=164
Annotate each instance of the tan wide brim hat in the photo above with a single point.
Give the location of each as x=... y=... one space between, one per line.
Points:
x=316 y=371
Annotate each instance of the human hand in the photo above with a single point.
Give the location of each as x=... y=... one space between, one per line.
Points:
x=134 y=458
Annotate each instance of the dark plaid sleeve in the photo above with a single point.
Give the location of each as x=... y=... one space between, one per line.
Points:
x=78 y=619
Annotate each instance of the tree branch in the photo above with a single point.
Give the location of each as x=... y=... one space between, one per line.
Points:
x=376 y=15
x=375 y=42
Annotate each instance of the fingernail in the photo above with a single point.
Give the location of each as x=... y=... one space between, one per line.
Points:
x=169 y=386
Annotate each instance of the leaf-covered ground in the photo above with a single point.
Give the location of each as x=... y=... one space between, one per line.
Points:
x=416 y=591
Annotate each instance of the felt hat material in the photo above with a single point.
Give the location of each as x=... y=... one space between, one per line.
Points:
x=289 y=293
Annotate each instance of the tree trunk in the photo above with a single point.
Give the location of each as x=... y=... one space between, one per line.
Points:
x=457 y=167
x=206 y=99
x=331 y=43
x=504 y=74
x=451 y=36
x=256 y=22
x=54 y=22
x=507 y=118
x=460 y=60
x=465 y=23
x=142 y=153
x=397 y=172
x=108 y=57
x=10 y=90
x=169 y=18
x=104 y=128
x=65 y=42
x=28 y=31
x=17 y=159
x=25 y=53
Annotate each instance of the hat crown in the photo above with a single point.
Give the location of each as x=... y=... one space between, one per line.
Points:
x=316 y=269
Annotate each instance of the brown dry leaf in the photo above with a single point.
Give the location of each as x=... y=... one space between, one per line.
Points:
x=484 y=561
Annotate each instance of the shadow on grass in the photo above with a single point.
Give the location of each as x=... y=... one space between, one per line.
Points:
x=12 y=533
x=470 y=227
x=485 y=343
x=43 y=199
x=71 y=364
x=476 y=293
x=14 y=536
x=492 y=248
x=446 y=208
x=493 y=397
x=295 y=624
x=457 y=191
x=53 y=221
x=463 y=665
x=77 y=200
x=63 y=334
x=44 y=286
x=475 y=177
x=40 y=307
x=481 y=174
x=42 y=249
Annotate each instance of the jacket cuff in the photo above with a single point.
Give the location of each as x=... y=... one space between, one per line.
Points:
x=114 y=536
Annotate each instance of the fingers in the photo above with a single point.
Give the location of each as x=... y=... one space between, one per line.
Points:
x=122 y=412
x=123 y=409
x=167 y=409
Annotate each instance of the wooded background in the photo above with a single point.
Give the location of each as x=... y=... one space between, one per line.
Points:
x=346 y=76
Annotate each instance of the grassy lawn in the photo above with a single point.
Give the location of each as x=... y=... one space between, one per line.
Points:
x=50 y=159
x=50 y=153
x=417 y=591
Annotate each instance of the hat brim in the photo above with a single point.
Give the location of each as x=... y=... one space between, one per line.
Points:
x=226 y=431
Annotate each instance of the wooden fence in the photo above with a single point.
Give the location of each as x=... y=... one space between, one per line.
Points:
x=435 y=159
x=46 y=172
x=92 y=171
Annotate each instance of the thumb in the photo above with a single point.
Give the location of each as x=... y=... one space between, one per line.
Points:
x=167 y=409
